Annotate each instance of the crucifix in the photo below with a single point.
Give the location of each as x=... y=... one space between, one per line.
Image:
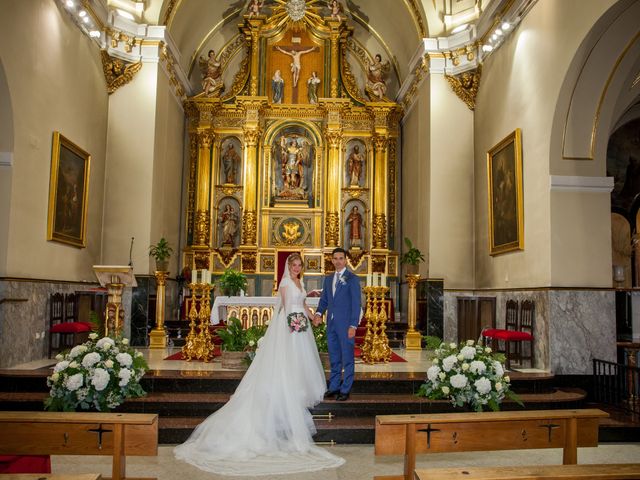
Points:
x=295 y=53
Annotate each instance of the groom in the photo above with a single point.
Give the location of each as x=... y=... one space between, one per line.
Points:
x=341 y=299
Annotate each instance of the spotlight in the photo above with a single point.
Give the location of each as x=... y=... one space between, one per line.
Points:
x=85 y=19
x=94 y=33
x=506 y=25
x=498 y=31
x=82 y=14
x=494 y=36
x=487 y=48
x=70 y=3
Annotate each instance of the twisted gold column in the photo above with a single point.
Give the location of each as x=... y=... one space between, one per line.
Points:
x=332 y=219
x=158 y=336
x=413 y=339
x=381 y=183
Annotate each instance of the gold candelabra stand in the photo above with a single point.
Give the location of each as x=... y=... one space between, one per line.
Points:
x=375 y=347
x=199 y=343
x=413 y=338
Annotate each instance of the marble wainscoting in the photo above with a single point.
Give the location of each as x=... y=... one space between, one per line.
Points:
x=571 y=326
x=22 y=321
x=582 y=326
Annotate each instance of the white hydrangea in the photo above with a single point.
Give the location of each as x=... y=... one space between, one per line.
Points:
x=74 y=382
x=468 y=352
x=458 y=381
x=483 y=385
x=498 y=368
x=90 y=359
x=93 y=335
x=124 y=359
x=77 y=350
x=125 y=376
x=449 y=362
x=477 y=367
x=60 y=366
x=445 y=390
x=432 y=372
x=108 y=363
x=105 y=343
x=100 y=379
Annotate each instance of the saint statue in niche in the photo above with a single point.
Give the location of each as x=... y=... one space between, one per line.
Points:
x=229 y=221
x=354 y=220
x=230 y=162
x=292 y=154
x=355 y=164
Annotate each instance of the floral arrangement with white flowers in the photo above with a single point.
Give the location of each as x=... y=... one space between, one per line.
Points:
x=469 y=373
x=98 y=374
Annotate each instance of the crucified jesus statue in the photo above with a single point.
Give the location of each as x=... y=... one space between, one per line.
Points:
x=295 y=61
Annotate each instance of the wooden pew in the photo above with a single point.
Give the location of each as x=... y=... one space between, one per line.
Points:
x=80 y=433
x=50 y=476
x=465 y=432
x=539 y=472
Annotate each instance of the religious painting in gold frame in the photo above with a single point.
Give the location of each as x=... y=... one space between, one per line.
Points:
x=68 y=192
x=504 y=168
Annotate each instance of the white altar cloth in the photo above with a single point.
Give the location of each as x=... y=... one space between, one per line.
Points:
x=218 y=310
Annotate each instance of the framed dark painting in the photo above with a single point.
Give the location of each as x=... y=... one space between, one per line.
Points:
x=506 y=222
x=68 y=192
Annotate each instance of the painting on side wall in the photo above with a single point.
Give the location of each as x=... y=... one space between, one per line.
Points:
x=506 y=222
x=68 y=193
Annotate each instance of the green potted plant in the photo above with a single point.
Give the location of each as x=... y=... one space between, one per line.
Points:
x=232 y=282
x=161 y=251
x=320 y=334
x=239 y=345
x=412 y=257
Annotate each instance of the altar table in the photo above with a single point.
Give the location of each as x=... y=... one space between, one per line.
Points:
x=250 y=310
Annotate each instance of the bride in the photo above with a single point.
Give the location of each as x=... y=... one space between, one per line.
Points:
x=266 y=428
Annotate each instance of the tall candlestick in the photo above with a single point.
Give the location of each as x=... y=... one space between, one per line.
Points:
x=368 y=279
x=193 y=276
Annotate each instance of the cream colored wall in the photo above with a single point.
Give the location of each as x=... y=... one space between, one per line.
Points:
x=519 y=89
x=129 y=176
x=55 y=80
x=167 y=173
x=451 y=218
x=415 y=175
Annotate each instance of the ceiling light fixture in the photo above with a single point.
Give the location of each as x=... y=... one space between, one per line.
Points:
x=82 y=14
x=85 y=19
x=506 y=25
x=70 y=3
x=94 y=33
x=499 y=31
x=487 y=48
x=459 y=28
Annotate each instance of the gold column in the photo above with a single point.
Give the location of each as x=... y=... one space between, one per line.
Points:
x=332 y=219
x=413 y=339
x=380 y=191
x=335 y=57
x=158 y=336
x=203 y=214
x=249 y=216
x=253 y=38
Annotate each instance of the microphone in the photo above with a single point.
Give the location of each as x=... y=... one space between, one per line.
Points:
x=131 y=250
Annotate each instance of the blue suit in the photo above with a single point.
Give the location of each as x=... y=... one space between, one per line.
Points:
x=343 y=311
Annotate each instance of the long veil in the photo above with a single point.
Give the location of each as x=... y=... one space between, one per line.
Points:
x=266 y=428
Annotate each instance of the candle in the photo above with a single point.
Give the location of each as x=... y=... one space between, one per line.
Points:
x=384 y=280
x=193 y=276
x=368 y=279
x=375 y=280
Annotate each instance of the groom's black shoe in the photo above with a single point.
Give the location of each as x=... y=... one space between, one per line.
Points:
x=331 y=393
x=342 y=397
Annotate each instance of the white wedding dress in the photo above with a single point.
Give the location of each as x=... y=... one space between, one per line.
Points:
x=266 y=428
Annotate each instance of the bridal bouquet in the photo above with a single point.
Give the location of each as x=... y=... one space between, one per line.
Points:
x=297 y=322
x=99 y=374
x=468 y=373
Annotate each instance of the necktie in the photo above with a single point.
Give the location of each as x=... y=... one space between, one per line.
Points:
x=336 y=279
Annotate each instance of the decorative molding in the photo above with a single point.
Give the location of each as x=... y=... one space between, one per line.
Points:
x=466 y=86
x=116 y=72
x=6 y=159
x=414 y=10
x=567 y=183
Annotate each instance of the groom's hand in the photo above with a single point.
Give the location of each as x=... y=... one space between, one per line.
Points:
x=351 y=332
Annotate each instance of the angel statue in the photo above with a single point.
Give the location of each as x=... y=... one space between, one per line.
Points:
x=212 y=85
x=376 y=88
x=254 y=7
x=335 y=8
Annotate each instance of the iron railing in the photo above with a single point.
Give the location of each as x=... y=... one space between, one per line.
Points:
x=616 y=384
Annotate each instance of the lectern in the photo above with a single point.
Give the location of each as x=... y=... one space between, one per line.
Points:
x=115 y=278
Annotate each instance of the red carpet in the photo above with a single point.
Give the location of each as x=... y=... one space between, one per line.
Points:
x=216 y=352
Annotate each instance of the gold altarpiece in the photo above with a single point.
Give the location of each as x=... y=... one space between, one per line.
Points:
x=307 y=167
